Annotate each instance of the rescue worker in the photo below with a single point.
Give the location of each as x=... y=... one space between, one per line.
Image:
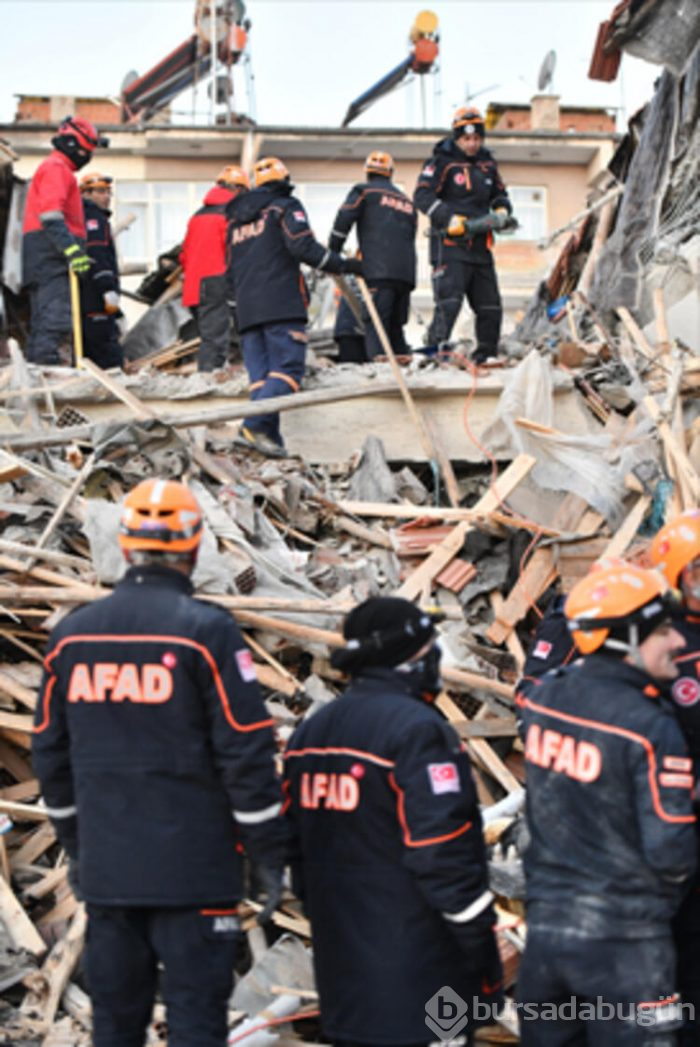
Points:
x=269 y=238
x=609 y=810
x=458 y=189
x=676 y=552
x=389 y=856
x=203 y=259
x=54 y=238
x=99 y=293
x=155 y=756
x=385 y=221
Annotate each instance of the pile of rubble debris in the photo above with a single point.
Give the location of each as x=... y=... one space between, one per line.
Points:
x=290 y=546
x=591 y=438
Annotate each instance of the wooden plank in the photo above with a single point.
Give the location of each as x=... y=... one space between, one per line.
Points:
x=20 y=928
x=479 y=748
x=638 y=336
x=538 y=575
x=447 y=550
x=16 y=690
x=623 y=537
x=34 y=846
x=41 y=1003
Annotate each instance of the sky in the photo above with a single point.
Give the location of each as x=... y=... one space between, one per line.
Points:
x=311 y=58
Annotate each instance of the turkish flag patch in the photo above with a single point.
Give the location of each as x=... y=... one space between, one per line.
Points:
x=444 y=778
x=300 y=216
x=542 y=649
x=246 y=668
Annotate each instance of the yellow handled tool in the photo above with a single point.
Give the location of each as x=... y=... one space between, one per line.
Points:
x=77 y=321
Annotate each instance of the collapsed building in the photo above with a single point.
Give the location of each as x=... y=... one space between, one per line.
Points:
x=482 y=493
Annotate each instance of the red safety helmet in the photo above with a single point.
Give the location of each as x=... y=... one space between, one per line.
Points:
x=161 y=516
x=468 y=120
x=379 y=163
x=233 y=176
x=83 y=131
x=269 y=169
x=616 y=605
x=676 y=545
x=95 y=180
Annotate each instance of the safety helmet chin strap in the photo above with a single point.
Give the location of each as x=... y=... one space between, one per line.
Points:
x=631 y=648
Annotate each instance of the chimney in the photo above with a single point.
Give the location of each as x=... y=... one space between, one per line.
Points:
x=544 y=113
x=61 y=106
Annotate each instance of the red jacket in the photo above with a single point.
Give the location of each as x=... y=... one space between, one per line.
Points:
x=204 y=250
x=54 y=189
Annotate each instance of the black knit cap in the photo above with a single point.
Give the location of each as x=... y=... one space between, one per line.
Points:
x=383 y=631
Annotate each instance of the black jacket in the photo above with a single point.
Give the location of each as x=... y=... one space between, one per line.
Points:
x=103 y=276
x=387 y=825
x=552 y=646
x=685 y=690
x=608 y=801
x=452 y=183
x=151 y=724
x=386 y=230
x=269 y=237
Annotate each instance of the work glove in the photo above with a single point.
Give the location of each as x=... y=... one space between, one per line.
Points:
x=78 y=261
x=458 y=226
x=111 y=303
x=352 y=266
x=503 y=221
x=269 y=881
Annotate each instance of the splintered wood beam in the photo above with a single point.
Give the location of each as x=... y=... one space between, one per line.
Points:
x=20 y=928
x=479 y=748
x=506 y=483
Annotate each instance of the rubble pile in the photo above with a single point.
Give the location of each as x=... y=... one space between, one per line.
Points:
x=289 y=548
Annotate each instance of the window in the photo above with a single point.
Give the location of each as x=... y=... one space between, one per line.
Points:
x=530 y=208
x=322 y=200
x=161 y=210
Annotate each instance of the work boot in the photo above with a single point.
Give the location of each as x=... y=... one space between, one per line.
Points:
x=255 y=441
x=482 y=355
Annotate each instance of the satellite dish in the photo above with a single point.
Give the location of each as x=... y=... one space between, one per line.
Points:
x=544 y=77
x=130 y=78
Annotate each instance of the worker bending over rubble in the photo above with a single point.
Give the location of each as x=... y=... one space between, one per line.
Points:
x=269 y=238
x=155 y=756
x=54 y=239
x=389 y=856
x=676 y=551
x=609 y=809
x=99 y=297
x=203 y=259
x=458 y=189
x=385 y=220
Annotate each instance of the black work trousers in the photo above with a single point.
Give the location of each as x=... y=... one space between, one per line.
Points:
x=392 y=299
x=101 y=340
x=197 y=948
x=579 y=991
x=50 y=323
x=213 y=315
x=451 y=282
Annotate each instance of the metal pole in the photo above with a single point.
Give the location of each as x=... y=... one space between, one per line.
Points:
x=77 y=321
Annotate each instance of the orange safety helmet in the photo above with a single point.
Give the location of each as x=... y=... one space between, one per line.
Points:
x=95 y=180
x=617 y=605
x=379 y=163
x=676 y=545
x=231 y=176
x=468 y=120
x=161 y=516
x=269 y=169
